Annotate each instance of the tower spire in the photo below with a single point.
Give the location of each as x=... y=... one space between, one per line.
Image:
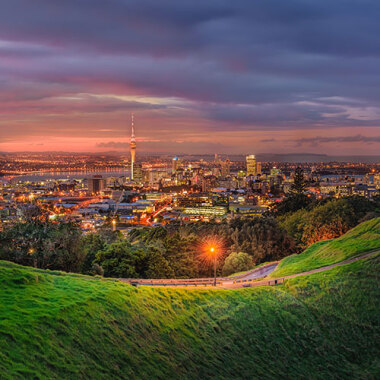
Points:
x=133 y=128
x=133 y=147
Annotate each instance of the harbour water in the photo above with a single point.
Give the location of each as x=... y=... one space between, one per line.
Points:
x=69 y=175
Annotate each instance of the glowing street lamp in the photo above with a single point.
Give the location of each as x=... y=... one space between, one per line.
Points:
x=214 y=254
x=212 y=247
x=113 y=225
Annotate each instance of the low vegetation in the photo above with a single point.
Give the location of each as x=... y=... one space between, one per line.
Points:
x=237 y=262
x=361 y=239
x=161 y=252
x=322 y=326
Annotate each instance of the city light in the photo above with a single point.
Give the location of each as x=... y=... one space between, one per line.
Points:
x=212 y=248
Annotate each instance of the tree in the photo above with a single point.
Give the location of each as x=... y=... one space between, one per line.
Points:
x=262 y=238
x=237 y=262
x=299 y=185
x=92 y=243
x=158 y=265
x=43 y=244
x=121 y=259
x=296 y=200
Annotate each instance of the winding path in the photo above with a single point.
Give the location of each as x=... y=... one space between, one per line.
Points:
x=247 y=279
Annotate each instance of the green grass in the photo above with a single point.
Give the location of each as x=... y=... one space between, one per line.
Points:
x=363 y=238
x=322 y=326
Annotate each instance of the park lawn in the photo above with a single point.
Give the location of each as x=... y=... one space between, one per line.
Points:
x=55 y=325
x=363 y=238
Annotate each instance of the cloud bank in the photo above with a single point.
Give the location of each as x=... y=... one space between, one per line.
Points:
x=191 y=71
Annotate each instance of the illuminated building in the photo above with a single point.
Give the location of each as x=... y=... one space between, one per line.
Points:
x=275 y=171
x=193 y=200
x=96 y=184
x=225 y=168
x=251 y=165
x=210 y=211
x=258 y=168
x=133 y=149
x=208 y=182
x=176 y=164
x=248 y=211
x=376 y=181
x=137 y=172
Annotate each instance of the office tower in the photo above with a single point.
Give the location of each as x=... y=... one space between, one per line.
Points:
x=138 y=172
x=251 y=165
x=96 y=184
x=208 y=182
x=376 y=181
x=225 y=167
x=176 y=164
x=258 y=168
x=133 y=148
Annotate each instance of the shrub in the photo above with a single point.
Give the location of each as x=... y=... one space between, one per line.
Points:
x=237 y=262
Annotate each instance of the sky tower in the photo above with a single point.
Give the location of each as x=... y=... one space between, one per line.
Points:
x=133 y=147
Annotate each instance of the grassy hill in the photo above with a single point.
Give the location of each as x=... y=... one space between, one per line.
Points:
x=363 y=238
x=62 y=326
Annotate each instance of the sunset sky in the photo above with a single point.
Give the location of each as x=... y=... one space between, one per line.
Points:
x=200 y=76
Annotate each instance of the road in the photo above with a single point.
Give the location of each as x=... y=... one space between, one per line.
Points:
x=248 y=279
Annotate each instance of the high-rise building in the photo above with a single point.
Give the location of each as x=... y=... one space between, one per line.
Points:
x=225 y=168
x=176 y=164
x=133 y=148
x=376 y=181
x=96 y=184
x=208 y=182
x=138 y=173
x=251 y=165
x=258 y=168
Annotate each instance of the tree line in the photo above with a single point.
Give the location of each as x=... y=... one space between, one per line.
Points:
x=161 y=252
x=175 y=250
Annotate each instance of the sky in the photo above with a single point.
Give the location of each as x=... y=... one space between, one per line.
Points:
x=200 y=76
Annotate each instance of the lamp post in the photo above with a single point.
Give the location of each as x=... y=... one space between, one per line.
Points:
x=213 y=251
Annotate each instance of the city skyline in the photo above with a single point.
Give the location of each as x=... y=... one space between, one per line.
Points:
x=206 y=77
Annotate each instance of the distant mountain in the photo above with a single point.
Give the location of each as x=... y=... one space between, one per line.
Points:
x=312 y=157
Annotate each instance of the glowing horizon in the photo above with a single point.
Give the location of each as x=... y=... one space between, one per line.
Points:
x=209 y=77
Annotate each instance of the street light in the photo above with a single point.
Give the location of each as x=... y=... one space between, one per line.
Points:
x=212 y=247
x=213 y=252
x=113 y=225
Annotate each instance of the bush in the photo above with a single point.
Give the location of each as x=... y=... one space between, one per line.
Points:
x=237 y=262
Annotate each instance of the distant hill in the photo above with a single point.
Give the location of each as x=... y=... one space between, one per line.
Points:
x=317 y=158
x=66 y=326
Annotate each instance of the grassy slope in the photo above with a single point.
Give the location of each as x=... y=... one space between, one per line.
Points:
x=70 y=327
x=365 y=237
